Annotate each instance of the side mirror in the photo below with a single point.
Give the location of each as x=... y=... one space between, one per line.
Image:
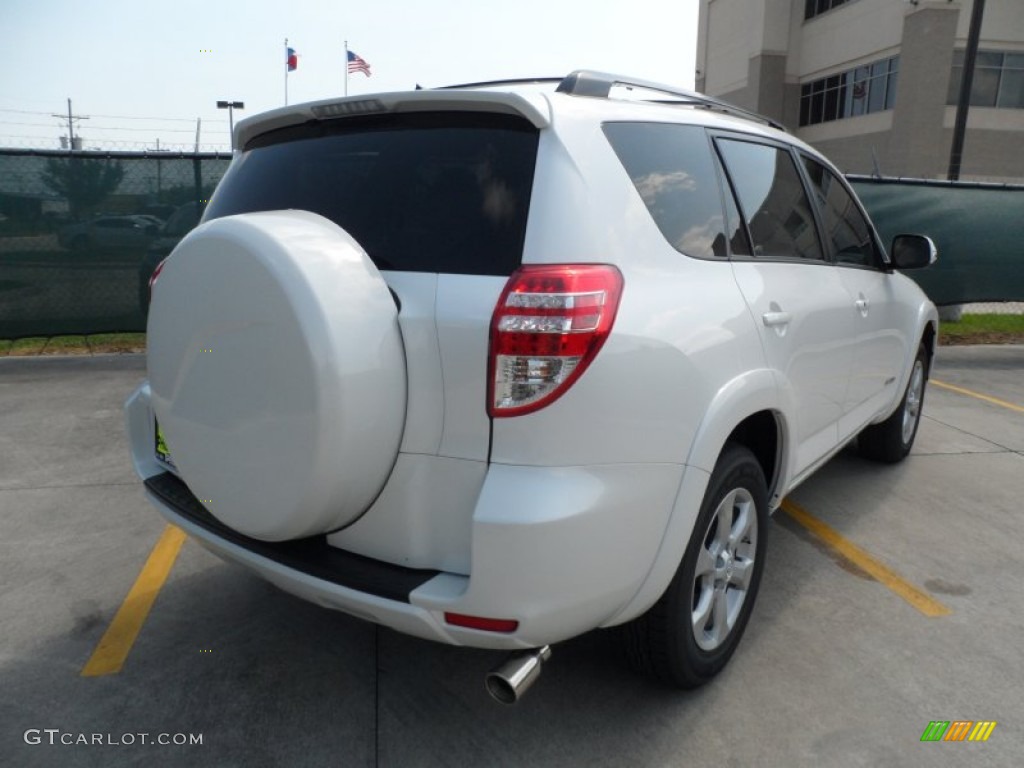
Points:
x=913 y=252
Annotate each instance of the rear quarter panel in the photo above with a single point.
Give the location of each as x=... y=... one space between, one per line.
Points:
x=682 y=331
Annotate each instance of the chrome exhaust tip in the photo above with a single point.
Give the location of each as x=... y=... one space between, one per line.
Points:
x=512 y=678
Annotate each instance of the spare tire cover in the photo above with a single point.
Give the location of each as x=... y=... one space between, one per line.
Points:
x=277 y=372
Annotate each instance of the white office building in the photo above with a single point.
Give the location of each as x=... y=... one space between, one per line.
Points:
x=874 y=83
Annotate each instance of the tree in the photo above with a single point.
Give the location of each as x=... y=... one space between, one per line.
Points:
x=84 y=182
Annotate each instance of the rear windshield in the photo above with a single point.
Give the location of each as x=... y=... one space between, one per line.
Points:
x=434 y=192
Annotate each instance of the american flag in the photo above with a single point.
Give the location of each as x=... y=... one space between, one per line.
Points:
x=357 y=63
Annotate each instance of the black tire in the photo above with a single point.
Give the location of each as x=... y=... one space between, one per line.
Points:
x=891 y=440
x=664 y=643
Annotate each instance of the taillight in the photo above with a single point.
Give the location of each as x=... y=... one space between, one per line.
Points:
x=156 y=274
x=548 y=326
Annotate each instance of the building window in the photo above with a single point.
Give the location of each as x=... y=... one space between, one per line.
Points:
x=998 y=80
x=814 y=8
x=860 y=91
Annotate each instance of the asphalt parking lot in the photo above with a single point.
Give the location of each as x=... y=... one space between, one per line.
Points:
x=837 y=668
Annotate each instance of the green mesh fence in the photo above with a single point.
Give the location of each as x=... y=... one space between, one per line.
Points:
x=975 y=226
x=81 y=233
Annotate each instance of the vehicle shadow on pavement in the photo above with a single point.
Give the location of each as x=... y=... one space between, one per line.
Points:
x=271 y=680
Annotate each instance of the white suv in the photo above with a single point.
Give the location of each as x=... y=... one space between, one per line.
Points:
x=500 y=364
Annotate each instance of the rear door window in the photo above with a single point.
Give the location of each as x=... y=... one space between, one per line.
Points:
x=773 y=200
x=429 y=192
x=672 y=168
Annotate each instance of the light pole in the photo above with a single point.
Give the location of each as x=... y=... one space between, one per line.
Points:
x=231 y=106
x=956 y=150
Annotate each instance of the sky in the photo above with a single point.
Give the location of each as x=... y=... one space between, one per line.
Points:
x=145 y=70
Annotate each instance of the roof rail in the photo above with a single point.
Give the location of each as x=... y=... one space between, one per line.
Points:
x=515 y=81
x=599 y=84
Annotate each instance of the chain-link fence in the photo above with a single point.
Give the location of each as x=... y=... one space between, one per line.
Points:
x=81 y=232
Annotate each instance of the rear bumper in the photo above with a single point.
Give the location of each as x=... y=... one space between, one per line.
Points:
x=560 y=550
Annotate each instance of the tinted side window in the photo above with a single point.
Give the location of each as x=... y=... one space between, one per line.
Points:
x=672 y=170
x=429 y=192
x=738 y=242
x=845 y=225
x=773 y=200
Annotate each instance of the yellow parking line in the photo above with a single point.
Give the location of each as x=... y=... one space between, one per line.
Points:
x=978 y=395
x=117 y=641
x=854 y=554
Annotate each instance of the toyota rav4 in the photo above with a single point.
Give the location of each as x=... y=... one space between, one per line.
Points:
x=499 y=364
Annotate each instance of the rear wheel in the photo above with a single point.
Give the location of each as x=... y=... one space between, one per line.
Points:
x=688 y=636
x=891 y=440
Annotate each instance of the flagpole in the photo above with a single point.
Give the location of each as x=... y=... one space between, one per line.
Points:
x=346 y=67
x=286 y=71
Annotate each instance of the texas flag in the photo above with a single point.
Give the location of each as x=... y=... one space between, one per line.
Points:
x=293 y=60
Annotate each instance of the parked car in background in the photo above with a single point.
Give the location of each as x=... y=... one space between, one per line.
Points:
x=161 y=211
x=116 y=233
x=154 y=220
x=501 y=364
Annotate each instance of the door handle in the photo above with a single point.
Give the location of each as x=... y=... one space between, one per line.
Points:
x=775 y=319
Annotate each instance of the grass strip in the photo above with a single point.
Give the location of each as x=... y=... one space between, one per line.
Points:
x=29 y=346
x=970 y=329
x=66 y=345
x=983 y=329
x=118 y=343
